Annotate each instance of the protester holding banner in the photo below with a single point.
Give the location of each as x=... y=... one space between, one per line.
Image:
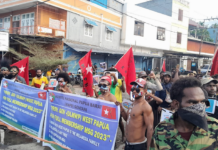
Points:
x=189 y=127
x=209 y=85
x=63 y=80
x=139 y=118
x=39 y=79
x=14 y=70
x=104 y=86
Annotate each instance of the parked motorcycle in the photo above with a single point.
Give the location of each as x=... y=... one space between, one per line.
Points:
x=79 y=78
x=72 y=78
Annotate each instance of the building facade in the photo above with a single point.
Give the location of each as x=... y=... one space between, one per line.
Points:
x=179 y=12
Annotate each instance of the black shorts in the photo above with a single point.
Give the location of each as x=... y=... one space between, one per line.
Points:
x=142 y=146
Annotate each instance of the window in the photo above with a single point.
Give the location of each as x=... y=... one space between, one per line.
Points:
x=161 y=33
x=88 y=30
x=139 y=28
x=180 y=15
x=16 y=18
x=109 y=35
x=1 y=23
x=179 y=37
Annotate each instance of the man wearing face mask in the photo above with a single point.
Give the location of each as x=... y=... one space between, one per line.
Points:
x=39 y=79
x=139 y=118
x=14 y=70
x=164 y=94
x=104 y=86
x=189 y=128
x=63 y=79
x=210 y=85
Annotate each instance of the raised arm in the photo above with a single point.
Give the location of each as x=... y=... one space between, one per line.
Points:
x=149 y=119
x=115 y=78
x=157 y=99
x=123 y=87
x=176 y=77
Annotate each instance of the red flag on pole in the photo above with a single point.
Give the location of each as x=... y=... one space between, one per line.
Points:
x=126 y=66
x=23 y=66
x=164 y=66
x=85 y=64
x=214 y=68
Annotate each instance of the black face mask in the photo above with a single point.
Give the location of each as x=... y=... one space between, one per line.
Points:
x=195 y=115
x=38 y=75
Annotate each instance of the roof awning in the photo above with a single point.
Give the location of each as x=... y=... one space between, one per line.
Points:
x=79 y=47
x=90 y=22
x=111 y=29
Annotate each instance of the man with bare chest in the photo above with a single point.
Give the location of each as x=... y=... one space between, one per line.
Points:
x=104 y=86
x=139 y=118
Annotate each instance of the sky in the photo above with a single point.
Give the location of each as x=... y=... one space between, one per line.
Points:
x=199 y=9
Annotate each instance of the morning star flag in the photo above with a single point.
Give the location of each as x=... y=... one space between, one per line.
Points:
x=86 y=67
x=23 y=66
x=126 y=66
x=80 y=123
x=214 y=68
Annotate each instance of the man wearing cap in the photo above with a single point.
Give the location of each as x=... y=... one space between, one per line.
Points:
x=139 y=118
x=209 y=84
x=104 y=86
x=164 y=94
x=156 y=87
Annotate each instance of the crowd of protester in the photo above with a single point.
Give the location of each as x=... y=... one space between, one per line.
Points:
x=185 y=96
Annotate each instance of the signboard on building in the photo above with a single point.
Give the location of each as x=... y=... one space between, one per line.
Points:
x=4 y=41
x=55 y=24
x=44 y=30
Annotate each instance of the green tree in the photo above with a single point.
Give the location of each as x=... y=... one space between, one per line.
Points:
x=40 y=58
x=202 y=33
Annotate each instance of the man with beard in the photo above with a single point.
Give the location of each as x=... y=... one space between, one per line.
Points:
x=14 y=70
x=104 y=86
x=139 y=118
x=189 y=127
x=39 y=79
x=210 y=86
x=164 y=94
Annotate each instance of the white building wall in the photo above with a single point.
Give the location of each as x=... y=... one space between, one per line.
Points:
x=149 y=40
x=179 y=26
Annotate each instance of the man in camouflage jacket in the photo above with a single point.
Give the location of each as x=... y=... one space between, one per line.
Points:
x=189 y=128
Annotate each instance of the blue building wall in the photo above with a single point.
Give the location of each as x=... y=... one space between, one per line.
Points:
x=141 y=63
x=160 y=6
x=213 y=34
x=102 y=3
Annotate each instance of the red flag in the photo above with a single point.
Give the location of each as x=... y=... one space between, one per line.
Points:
x=214 y=68
x=164 y=66
x=86 y=66
x=23 y=66
x=108 y=112
x=42 y=95
x=126 y=66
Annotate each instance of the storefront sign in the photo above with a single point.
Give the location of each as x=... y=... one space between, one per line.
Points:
x=4 y=41
x=44 y=30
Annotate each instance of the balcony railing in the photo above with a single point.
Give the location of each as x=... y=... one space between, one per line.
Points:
x=35 y=30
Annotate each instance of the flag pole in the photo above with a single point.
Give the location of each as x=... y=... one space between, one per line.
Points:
x=211 y=62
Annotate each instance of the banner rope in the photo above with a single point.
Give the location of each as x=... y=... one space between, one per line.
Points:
x=13 y=129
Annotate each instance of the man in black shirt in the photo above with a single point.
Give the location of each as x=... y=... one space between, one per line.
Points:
x=154 y=102
x=209 y=85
